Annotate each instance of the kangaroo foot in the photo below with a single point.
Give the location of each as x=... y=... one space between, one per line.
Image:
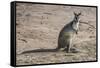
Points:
x=57 y=48
x=67 y=50
x=74 y=50
x=60 y=49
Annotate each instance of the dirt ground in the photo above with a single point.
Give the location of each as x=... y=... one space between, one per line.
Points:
x=38 y=27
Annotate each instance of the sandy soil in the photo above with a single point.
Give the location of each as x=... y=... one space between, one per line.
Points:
x=38 y=27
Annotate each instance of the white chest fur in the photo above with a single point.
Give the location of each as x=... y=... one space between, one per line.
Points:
x=75 y=25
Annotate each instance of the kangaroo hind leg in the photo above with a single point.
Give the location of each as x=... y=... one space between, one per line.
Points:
x=68 y=45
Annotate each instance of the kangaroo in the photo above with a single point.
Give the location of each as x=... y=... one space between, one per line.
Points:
x=67 y=33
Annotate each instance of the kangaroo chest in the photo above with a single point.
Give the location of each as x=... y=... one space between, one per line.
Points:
x=75 y=25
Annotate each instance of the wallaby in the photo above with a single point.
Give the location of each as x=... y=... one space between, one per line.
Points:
x=67 y=33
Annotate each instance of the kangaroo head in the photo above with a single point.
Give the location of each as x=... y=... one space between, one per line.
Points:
x=76 y=16
x=76 y=21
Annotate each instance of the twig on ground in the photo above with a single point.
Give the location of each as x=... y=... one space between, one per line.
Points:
x=87 y=24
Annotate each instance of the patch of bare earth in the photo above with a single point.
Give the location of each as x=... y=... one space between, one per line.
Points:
x=38 y=27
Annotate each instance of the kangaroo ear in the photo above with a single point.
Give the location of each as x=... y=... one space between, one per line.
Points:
x=75 y=13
